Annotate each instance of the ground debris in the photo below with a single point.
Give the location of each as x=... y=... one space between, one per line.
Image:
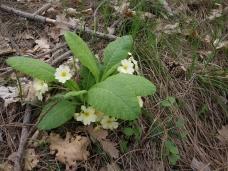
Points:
x=9 y=95
x=5 y=48
x=223 y=134
x=6 y=167
x=70 y=149
x=111 y=167
x=31 y=159
x=198 y=165
x=101 y=136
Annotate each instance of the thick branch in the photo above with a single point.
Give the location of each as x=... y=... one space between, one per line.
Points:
x=42 y=19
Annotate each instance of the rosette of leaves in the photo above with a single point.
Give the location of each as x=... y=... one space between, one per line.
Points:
x=112 y=93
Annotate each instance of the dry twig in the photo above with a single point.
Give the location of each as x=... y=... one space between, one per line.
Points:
x=44 y=8
x=23 y=140
x=42 y=19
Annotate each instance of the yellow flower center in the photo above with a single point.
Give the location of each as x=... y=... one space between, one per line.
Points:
x=125 y=66
x=63 y=74
x=86 y=114
x=109 y=121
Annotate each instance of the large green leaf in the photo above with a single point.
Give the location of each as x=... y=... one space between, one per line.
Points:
x=32 y=67
x=117 y=51
x=80 y=50
x=137 y=84
x=56 y=114
x=117 y=95
x=114 y=101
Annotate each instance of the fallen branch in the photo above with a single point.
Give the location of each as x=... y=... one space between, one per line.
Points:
x=42 y=19
x=23 y=140
x=61 y=58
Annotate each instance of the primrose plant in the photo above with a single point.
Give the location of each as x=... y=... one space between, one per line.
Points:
x=104 y=92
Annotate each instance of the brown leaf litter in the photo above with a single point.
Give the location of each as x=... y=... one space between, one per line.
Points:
x=31 y=159
x=101 y=136
x=69 y=150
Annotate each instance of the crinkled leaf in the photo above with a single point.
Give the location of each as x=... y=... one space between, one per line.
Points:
x=56 y=114
x=32 y=67
x=114 y=101
x=80 y=50
x=137 y=84
x=117 y=51
x=117 y=95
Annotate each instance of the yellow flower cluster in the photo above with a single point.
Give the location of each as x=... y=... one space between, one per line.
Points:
x=89 y=115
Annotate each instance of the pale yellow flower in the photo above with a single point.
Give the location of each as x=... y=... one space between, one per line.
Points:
x=109 y=123
x=63 y=74
x=87 y=115
x=40 y=88
x=136 y=67
x=126 y=67
x=140 y=101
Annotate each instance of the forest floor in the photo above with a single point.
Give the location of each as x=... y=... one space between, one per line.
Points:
x=182 y=47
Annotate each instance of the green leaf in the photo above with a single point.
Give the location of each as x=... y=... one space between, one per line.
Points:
x=172 y=152
x=32 y=67
x=87 y=79
x=56 y=114
x=117 y=51
x=110 y=71
x=128 y=131
x=74 y=93
x=173 y=158
x=117 y=95
x=72 y=85
x=123 y=146
x=114 y=100
x=171 y=147
x=168 y=102
x=80 y=50
x=180 y=123
x=137 y=84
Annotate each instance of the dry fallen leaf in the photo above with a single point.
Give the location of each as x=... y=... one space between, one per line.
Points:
x=223 y=44
x=215 y=13
x=9 y=94
x=168 y=28
x=42 y=44
x=31 y=159
x=111 y=167
x=223 y=134
x=70 y=149
x=6 y=167
x=64 y=24
x=199 y=166
x=108 y=146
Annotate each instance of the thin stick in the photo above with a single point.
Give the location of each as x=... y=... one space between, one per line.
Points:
x=23 y=140
x=42 y=19
x=44 y=8
x=61 y=58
